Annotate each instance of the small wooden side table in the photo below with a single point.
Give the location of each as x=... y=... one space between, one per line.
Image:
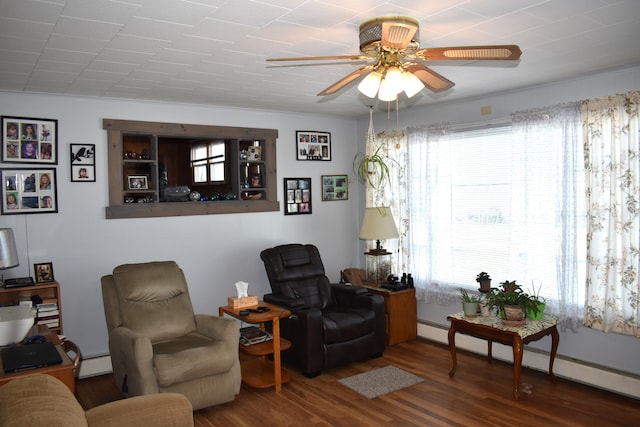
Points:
x=65 y=372
x=491 y=329
x=401 y=312
x=261 y=372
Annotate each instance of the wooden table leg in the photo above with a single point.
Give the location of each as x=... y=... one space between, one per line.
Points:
x=518 y=348
x=555 y=340
x=489 y=350
x=452 y=347
x=277 y=369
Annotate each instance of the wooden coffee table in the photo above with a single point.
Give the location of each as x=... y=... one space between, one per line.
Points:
x=261 y=372
x=491 y=329
x=65 y=372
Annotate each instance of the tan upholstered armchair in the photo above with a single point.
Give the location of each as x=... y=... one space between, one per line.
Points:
x=156 y=342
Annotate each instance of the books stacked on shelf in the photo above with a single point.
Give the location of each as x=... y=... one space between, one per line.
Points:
x=48 y=314
x=253 y=335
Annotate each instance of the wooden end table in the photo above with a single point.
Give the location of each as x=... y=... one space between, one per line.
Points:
x=491 y=329
x=261 y=372
x=401 y=313
x=65 y=371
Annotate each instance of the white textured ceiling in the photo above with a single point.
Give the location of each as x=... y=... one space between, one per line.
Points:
x=214 y=51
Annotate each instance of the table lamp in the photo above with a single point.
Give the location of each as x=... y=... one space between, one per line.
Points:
x=378 y=224
x=8 y=252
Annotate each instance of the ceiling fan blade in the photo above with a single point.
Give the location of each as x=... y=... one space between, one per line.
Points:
x=432 y=80
x=346 y=80
x=479 y=53
x=320 y=58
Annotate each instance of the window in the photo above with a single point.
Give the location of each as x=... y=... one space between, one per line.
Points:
x=498 y=200
x=207 y=162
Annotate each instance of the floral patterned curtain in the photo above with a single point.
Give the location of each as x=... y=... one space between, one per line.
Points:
x=393 y=147
x=612 y=159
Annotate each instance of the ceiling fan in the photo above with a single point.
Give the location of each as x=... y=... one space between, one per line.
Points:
x=392 y=43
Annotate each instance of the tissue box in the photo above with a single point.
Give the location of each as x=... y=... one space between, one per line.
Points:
x=15 y=323
x=235 y=302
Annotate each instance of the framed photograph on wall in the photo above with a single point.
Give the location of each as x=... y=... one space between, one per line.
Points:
x=313 y=145
x=83 y=162
x=26 y=191
x=138 y=182
x=335 y=187
x=29 y=140
x=43 y=273
x=297 y=193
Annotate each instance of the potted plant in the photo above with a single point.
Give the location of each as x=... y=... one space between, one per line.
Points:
x=539 y=302
x=485 y=281
x=485 y=306
x=469 y=303
x=372 y=169
x=512 y=302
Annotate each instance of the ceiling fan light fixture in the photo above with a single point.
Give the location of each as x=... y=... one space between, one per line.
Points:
x=369 y=85
x=387 y=91
x=412 y=85
x=394 y=78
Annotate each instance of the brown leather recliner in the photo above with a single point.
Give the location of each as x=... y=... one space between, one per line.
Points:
x=331 y=324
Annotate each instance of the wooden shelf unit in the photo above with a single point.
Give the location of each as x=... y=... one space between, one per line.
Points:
x=49 y=292
x=125 y=136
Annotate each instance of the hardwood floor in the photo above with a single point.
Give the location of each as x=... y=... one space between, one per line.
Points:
x=480 y=394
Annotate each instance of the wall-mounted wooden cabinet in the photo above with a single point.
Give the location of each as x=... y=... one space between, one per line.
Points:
x=141 y=166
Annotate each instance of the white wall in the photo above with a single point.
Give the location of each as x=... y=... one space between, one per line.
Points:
x=215 y=251
x=612 y=351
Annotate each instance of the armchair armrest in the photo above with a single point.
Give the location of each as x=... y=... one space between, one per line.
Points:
x=218 y=328
x=161 y=409
x=354 y=296
x=134 y=353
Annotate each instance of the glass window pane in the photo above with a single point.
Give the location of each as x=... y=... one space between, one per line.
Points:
x=200 y=173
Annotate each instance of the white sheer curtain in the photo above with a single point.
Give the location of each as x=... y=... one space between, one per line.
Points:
x=563 y=181
x=429 y=180
x=612 y=145
x=506 y=200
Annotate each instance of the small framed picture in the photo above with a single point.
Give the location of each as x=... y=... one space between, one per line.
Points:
x=29 y=140
x=297 y=193
x=335 y=187
x=26 y=191
x=43 y=272
x=313 y=145
x=83 y=162
x=138 y=182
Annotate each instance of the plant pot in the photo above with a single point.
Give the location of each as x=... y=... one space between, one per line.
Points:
x=512 y=313
x=485 y=309
x=537 y=316
x=470 y=309
x=485 y=285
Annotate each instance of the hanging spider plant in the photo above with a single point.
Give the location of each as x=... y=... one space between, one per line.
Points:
x=372 y=169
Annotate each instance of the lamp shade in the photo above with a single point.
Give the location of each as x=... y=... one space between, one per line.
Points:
x=369 y=86
x=8 y=252
x=378 y=224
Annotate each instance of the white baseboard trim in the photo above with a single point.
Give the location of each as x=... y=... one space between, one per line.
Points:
x=571 y=369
